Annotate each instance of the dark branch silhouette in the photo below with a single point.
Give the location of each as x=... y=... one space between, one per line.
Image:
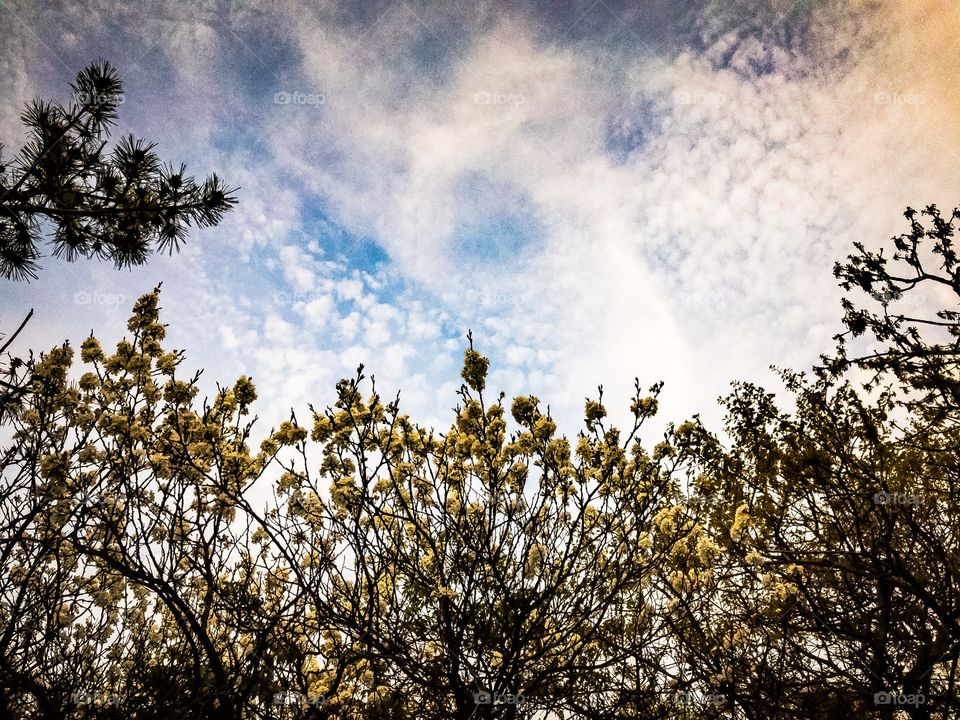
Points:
x=66 y=187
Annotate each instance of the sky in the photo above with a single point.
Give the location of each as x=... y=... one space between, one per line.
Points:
x=597 y=190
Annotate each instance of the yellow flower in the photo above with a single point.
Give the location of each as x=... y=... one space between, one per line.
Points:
x=90 y=350
x=741 y=520
x=544 y=428
x=594 y=411
x=677 y=579
x=665 y=519
x=446 y=592
x=475 y=369
x=524 y=409
x=289 y=434
x=645 y=541
x=167 y=363
x=453 y=503
x=647 y=407
x=322 y=428
x=706 y=550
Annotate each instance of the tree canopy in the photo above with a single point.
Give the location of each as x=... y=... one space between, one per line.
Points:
x=801 y=563
x=797 y=563
x=118 y=205
x=65 y=187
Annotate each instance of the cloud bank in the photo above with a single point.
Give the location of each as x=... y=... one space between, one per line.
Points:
x=598 y=192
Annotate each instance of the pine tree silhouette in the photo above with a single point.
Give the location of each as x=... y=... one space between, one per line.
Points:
x=117 y=205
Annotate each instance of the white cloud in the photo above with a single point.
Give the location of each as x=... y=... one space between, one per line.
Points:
x=697 y=253
x=296 y=268
x=228 y=337
x=278 y=330
x=349 y=326
x=349 y=289
x=318 y=311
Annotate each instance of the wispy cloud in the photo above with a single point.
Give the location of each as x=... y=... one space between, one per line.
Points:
x=599 y=196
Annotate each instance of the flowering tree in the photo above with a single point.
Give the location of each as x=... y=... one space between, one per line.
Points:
x=805 y=564
x=128 y=589
x=836 y=591
x=481 y=574
x=471 y=574
x=117 y=206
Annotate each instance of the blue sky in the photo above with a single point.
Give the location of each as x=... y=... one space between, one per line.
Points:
x=598 y=190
